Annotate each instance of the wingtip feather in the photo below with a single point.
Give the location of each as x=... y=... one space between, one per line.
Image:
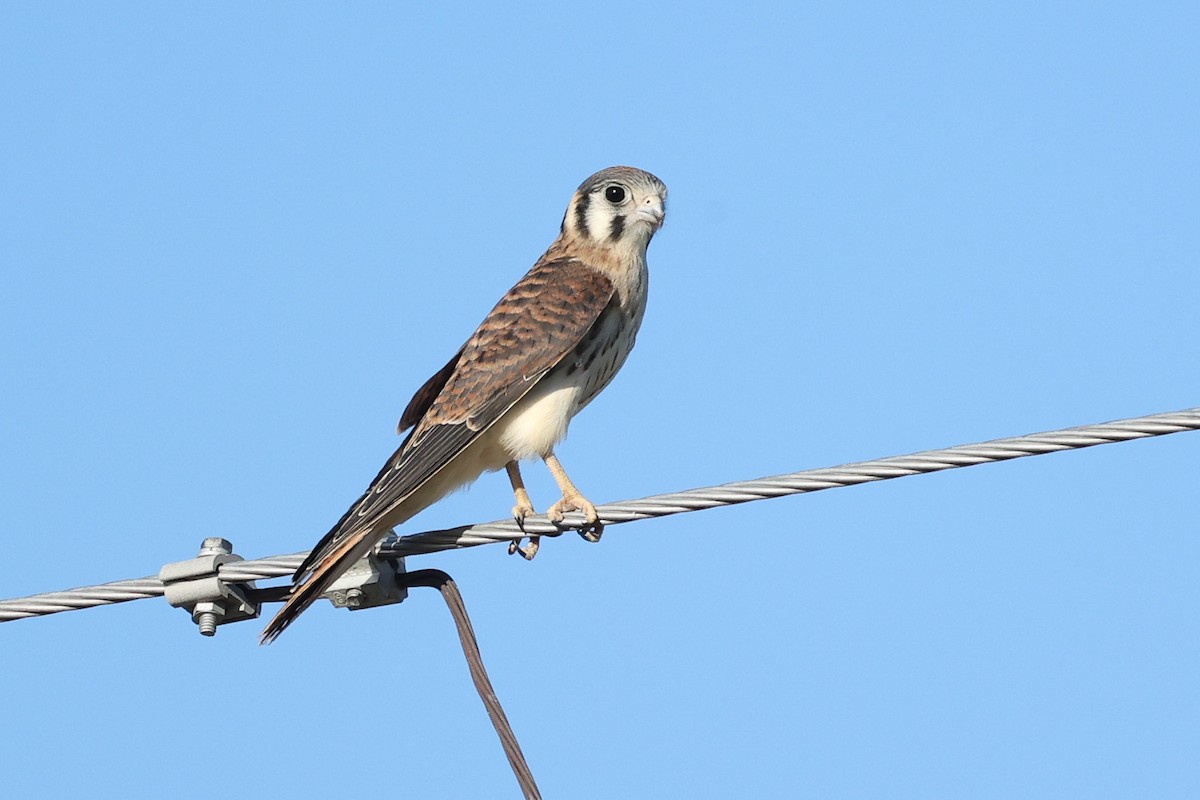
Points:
x=313 y=585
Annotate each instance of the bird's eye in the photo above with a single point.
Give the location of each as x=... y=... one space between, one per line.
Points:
x=615 y=194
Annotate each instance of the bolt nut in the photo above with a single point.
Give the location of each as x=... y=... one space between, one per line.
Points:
x=216 y=546
x=208 y=616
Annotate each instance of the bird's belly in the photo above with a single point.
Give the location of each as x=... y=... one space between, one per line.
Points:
x=539 y=420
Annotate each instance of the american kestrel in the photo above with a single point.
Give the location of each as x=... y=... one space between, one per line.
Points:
x=548 y=347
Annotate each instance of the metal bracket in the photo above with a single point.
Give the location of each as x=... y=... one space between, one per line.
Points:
x=371 y=582
x=195 y=586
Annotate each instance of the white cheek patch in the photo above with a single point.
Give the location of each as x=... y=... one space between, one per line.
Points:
x=599 y=219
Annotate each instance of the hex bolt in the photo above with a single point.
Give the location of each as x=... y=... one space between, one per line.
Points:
x=207 y=615
x=207 y=620
x=354 y=598
x=216 y=546
x=196 y=585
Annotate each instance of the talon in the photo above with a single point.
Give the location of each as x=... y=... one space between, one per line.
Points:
x=575 y=502
x=527 y=553
x=531 y=551
x=572 y=500
x=593 y=532
x=520 y=511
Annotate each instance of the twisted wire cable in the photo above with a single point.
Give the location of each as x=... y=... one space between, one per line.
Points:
x=655 y=506
x=813 y=480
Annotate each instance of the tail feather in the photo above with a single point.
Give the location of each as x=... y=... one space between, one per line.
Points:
x=307 y=590
x=345 y=543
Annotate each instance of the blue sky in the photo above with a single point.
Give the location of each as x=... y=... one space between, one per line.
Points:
x=236 y=239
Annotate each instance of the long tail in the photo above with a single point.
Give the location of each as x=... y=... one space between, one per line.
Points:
x=308 y=589
x=367 y=521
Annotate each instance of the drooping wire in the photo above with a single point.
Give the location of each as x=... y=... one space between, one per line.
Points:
x=466 y=635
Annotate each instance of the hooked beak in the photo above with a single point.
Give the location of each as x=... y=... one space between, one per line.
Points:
x=652 y=211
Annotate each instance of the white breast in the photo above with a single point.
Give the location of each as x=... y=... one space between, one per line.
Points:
x=539 y=421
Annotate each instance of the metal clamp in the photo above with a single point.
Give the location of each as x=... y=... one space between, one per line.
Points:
x=370 y=582
x=195 y=586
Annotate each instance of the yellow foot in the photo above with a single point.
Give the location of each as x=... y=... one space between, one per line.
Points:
x=527 y=553
x=521 y=510
x=592 y=532
x=573 y=501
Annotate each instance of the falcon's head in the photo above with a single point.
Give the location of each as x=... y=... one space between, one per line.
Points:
x=618 y=206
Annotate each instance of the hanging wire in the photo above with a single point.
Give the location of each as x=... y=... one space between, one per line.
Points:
x=439 y=580
x=655 y=506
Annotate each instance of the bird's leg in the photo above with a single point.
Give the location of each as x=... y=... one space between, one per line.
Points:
x=524 y=507
x=520 y=511
x=572 y=500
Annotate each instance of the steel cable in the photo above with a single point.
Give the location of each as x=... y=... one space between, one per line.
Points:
x=655 y=506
